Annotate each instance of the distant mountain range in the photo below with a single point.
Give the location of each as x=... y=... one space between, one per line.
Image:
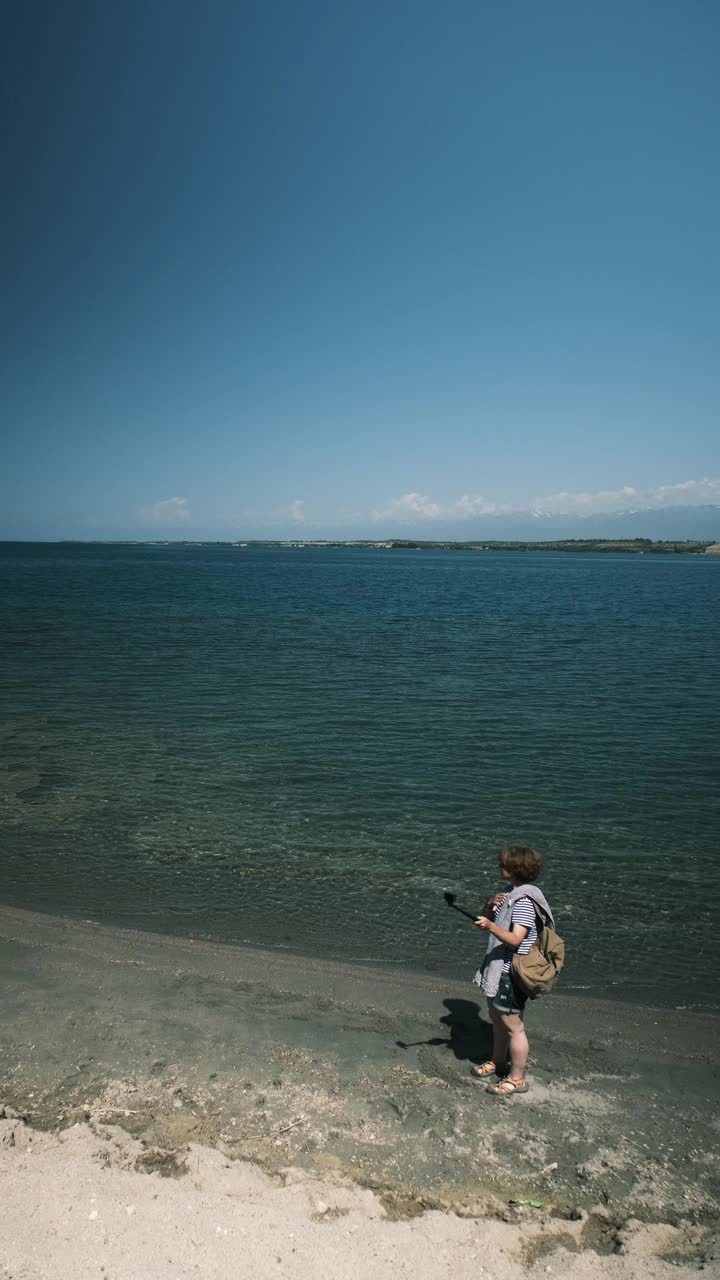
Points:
x=663 y=524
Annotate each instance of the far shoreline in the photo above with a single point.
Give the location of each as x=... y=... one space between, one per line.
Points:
x=603 y=546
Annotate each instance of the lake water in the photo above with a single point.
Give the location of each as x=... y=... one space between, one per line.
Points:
x=302 y=749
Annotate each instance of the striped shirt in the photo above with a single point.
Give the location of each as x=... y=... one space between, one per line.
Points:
x=523 y=913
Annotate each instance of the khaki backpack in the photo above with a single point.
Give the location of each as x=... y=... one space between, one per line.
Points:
x=536 y=972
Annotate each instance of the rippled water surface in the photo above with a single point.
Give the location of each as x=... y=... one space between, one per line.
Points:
x=303 y=748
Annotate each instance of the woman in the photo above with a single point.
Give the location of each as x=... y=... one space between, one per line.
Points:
x=512 y=929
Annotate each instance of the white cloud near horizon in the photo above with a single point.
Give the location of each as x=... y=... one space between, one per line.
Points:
x=411 y=508
x=169 y=511
x=169 y=516
x=408 y=508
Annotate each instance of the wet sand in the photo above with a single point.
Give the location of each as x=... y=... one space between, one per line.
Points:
x=359 y=1077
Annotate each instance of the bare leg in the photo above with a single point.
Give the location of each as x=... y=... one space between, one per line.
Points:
x=501 y=1036
x=514 y=1027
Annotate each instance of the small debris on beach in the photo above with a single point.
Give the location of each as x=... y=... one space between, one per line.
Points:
x=287 y=1127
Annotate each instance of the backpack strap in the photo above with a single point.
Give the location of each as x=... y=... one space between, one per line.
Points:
x=541 y=918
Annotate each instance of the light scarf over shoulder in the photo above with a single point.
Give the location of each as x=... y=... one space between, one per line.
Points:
x=489 y=973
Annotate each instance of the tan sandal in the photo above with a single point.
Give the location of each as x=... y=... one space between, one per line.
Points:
x=485 y=1069
x=504 y=1088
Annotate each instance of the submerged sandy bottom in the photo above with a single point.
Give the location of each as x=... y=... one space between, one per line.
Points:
x=348 y=1079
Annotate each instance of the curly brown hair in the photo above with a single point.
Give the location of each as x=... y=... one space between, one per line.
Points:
x=522 y=863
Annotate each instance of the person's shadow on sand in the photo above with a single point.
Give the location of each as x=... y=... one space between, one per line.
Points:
x=470 y=1036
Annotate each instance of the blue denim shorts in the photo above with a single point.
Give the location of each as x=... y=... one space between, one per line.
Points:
x=509 y=998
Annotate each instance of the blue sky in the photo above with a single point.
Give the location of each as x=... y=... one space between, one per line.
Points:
x=347 y=266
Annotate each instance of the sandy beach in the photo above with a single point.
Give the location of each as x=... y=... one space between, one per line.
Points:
x=178 y=1108
x=76 y=1204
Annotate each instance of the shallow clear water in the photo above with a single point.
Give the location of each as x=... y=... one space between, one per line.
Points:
x=303 y=748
